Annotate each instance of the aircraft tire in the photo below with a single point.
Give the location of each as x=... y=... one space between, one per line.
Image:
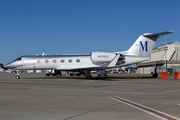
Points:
x=17 y=77
x=47 y=74
x=54 y=74
x=89 y=77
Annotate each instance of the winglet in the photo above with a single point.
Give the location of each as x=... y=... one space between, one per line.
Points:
x=114 y=61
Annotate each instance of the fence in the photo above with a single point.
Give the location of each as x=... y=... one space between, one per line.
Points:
x=171 y=70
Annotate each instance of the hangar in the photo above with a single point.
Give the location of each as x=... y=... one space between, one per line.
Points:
x=162 y=56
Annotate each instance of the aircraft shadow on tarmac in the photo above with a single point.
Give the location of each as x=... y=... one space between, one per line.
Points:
x=104 y=78
x=94 y=77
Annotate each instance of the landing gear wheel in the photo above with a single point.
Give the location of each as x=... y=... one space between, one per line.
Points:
x=88 y=74
x=17 y=77
x=47 y=74
x=89 y=77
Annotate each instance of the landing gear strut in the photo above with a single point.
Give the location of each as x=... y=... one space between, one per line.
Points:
x=88 y=74
x=17 y=75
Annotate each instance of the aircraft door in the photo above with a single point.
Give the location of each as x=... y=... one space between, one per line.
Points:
x=24 y=62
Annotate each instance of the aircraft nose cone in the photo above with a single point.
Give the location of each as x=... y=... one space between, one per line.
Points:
x=9 y=66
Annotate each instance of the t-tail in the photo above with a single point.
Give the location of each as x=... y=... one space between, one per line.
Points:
x=144 y=45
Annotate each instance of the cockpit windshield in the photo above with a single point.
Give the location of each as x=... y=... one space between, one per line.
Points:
x=18 y=59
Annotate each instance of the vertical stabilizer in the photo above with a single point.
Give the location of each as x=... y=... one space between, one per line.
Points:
x=144 y=45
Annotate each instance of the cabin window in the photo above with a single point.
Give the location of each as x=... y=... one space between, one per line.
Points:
x=70 y=60
x=38 y=61
x=78 y=60
x=46 y=61
x=54 y=61
x=62 y=61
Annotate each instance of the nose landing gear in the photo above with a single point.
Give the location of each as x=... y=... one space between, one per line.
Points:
x=17 y=75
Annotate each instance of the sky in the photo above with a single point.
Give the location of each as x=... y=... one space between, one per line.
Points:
x=29 y=27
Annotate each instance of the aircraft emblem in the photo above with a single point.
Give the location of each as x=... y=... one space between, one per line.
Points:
x=143 y=47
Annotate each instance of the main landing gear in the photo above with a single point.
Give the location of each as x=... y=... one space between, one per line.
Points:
x=88 y=74
x=17 y=75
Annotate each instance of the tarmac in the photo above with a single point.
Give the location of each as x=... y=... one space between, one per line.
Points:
x=38 y=97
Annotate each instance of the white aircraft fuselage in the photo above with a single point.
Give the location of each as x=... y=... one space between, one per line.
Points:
x=139 y=51
x=66 y=62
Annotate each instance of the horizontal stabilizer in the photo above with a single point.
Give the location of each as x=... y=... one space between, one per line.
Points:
x=157 y=34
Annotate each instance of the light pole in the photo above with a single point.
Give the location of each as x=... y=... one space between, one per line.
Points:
x=165 y=53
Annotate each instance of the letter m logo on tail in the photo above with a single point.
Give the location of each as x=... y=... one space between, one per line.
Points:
x=143 y=47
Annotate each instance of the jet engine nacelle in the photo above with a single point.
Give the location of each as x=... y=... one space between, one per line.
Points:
x=102 y=57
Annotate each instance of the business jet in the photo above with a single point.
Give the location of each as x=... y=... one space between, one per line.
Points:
x=138 y=52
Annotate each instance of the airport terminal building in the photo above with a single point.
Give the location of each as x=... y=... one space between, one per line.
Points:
x=162 y=56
